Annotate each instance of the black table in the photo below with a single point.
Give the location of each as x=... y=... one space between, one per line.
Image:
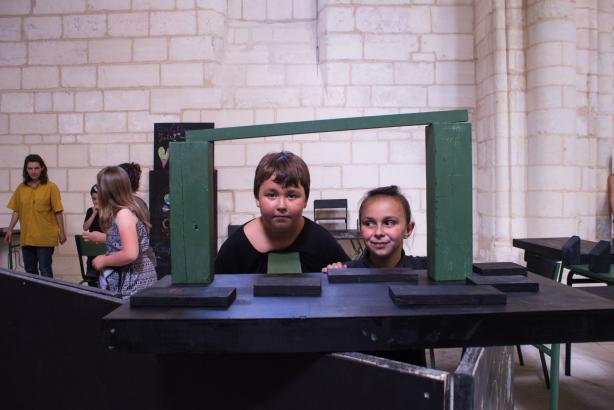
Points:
x=551 y=248
x=358 y=317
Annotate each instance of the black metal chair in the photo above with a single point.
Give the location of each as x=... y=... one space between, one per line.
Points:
x=331 y=211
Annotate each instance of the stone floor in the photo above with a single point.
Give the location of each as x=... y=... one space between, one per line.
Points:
x=590 y=385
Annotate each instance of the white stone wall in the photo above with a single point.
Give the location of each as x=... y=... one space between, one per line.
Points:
x=83 y=81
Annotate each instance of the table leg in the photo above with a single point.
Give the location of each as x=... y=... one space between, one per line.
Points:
x=555 y=354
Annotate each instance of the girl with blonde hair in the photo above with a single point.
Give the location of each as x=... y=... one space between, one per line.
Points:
x=125 y=267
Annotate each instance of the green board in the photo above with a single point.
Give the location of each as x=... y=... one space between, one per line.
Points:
x=193 y=244
x=449 y=208
x=448 y=201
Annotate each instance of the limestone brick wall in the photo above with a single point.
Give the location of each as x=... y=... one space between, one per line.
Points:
x=544 y=121
x=83 y=81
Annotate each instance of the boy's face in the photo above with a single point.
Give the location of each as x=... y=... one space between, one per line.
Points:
x=383 y=227
x=281 y=208
x=95 y=199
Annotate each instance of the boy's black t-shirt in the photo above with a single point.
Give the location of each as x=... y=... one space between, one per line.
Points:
x=95 y=226
x=315 y=245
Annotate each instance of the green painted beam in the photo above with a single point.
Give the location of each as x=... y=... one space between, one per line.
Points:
x=193 y=242
x=338 y=124
x=449 y=201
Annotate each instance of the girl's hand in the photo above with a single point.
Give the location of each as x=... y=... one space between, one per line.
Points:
x=336 y=265
x=98 y=262
x=96 y=237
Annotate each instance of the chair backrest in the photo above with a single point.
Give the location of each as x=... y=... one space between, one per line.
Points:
x=330 y=210
x=545 y=267
x=87 y=249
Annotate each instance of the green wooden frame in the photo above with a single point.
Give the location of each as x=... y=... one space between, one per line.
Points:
x=448 y=175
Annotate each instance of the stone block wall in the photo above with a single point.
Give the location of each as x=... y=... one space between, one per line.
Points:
x=83 y=81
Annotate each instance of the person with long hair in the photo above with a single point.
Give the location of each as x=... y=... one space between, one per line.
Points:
x=125 y=267
x=37 y=204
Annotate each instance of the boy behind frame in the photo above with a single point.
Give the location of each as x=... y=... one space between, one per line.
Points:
x=281 y=190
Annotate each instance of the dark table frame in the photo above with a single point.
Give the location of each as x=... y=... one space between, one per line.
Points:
x=359 y=317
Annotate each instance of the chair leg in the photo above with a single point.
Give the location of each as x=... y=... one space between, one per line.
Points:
x=555 y=356
x=567 y=359
x=542 y=357
x=519 y=351
x=432 y=356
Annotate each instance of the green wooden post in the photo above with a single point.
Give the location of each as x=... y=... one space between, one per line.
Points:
x=193 y=245
x=448 y=206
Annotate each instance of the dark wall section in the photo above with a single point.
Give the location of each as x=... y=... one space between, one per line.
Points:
x=52 y=357
x=51 y=354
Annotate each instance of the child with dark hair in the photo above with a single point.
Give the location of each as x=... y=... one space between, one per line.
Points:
x=38 y=205
x=281 y=190
x=91 y=222
x=134 y=173
x=385 y=222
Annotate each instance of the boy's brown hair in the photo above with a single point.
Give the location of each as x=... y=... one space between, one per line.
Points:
x=289 y=170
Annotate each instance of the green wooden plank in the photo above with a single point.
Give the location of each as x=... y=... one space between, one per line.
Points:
x=338 y=124
x=193 y=244
x=449 y=202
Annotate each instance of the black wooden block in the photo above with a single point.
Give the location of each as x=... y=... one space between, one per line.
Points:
x=370 y=275
x=499 y=268
x=507 y=283
x=599 y=257
x=287 y=285
x=571 y=251
x=196 y=296
x=408 y=295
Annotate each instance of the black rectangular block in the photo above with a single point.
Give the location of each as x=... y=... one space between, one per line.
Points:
x=371 y=275
x=507 y=283
x=599 y=257
x=195 y=296
x=287 y=285
x=408 y=295
x=499 y=268
x=571 y=251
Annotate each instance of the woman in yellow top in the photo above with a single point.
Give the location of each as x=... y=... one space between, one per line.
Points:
x=37 y=204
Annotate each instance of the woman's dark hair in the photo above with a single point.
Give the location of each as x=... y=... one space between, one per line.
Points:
x=289 y=170
x=35 y=158
x=134 y=173
x=94 y=189
x=391 y=191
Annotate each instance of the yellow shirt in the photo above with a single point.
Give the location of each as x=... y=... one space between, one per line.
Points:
x=37 y=208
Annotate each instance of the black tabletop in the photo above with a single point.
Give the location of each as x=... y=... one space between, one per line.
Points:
x=551 y=248
x=359 y=317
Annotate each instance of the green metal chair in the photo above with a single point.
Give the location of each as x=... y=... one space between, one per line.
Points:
x=85 y=249
x=552 y=270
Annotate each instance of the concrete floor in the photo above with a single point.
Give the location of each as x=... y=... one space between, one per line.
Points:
x=590 y=385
